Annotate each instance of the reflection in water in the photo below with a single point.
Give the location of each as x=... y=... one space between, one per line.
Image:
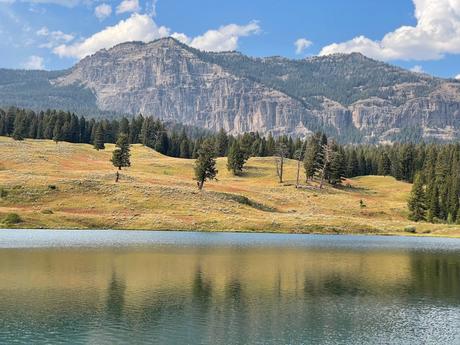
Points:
x=115 y=297
x=229 y=295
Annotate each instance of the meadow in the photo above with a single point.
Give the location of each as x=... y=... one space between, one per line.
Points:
x=72 y=186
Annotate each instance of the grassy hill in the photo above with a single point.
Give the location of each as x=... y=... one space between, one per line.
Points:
x=72 y=186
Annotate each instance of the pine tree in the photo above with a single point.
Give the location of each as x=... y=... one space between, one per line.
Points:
x=353 y=164
x=236 y=159
x=19 y=127
x=434 y=209
x=384 y=167
x=99 y=138
x=337 y=166
x=312 y=157
x=121 y=155
x=417 y=201
x=205 y=165
x=221 y=143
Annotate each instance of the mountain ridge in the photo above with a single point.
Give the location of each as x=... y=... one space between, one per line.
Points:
x=349 y=96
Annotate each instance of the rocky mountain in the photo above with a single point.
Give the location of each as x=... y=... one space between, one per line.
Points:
x=352 y=97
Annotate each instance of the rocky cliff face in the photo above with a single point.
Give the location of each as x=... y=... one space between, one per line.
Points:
x=349 y=96
x=166 y=80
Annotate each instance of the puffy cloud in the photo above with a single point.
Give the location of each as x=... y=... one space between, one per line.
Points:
x=223 y=39
x=417 y=69
x=141 y=27
x=54 y=38
x=128 y=6
x=103 y=11
x=301 y=44
x=34 y=62
x=436 y=33
x=457 y=77
x=138 y=27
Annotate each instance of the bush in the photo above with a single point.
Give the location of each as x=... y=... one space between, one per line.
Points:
x=47 y=211
x=52 y=187
x=3 y=193
x=410 y=229
x=12 y=218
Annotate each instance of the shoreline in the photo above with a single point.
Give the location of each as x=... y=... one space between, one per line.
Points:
x=357 y=234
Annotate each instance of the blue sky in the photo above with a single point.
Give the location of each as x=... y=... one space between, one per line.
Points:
x=416 y=34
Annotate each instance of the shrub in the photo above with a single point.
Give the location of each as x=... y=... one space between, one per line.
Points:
x=12 y=218
x=47 y=211
x=52 y=187
x=3 y=193
x=410 y=229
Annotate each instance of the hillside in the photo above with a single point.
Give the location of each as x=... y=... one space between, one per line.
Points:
x=72 y=186
x=351 y=97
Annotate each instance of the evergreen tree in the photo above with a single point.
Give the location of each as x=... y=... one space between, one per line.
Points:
x=19 y=127
x=312 y=157
x=384 y=167
x=353 y=164
x=337 y=166
x=121 y=155
x=417 y=201
x=99 y=138
x=205 y=165
x=236 y=159
x=221 y=143
x=434 y=209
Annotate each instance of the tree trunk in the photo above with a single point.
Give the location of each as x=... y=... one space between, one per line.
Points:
x=117 y=176
x=281 y=169
x=298 y=174
x=200 y=184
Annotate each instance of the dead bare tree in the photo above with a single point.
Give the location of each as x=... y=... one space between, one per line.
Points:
x=298 y=155
x=281 y=153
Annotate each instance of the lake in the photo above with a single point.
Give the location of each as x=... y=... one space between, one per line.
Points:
x=132 y=287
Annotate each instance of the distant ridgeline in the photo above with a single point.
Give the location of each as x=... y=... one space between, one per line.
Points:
x=435 y=168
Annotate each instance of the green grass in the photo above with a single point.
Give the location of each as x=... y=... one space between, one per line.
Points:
x=76 y=183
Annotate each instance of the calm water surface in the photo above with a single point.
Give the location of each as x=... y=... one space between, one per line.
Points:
x=115 y=287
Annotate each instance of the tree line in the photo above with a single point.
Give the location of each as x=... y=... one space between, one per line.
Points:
x=434 y=168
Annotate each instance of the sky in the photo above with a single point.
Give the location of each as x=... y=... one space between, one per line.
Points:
x=421 y=35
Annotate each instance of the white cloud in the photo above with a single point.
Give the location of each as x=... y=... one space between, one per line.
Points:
x=436 y=33
x=301 y=44
x=457 y=77
x=417 y=69
x=224 y=39
x=34 y=62
x=103 y=11
x=138 y=27
x=54 y=38
x=128 y=6
x=141 y=27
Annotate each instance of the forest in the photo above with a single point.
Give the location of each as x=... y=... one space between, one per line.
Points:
x=432 y=168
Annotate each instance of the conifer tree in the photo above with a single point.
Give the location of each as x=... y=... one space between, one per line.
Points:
x=434 y=209
x=312 y=157
x=221 y=143
x=337 y=165
x=235 y=159
x=205 y=165
x=99 y=138
x=121 y=155
x=417 y=201
x=353 y=165
x=384 y=167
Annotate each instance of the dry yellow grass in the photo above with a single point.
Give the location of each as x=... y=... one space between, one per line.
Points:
x=159 y=192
